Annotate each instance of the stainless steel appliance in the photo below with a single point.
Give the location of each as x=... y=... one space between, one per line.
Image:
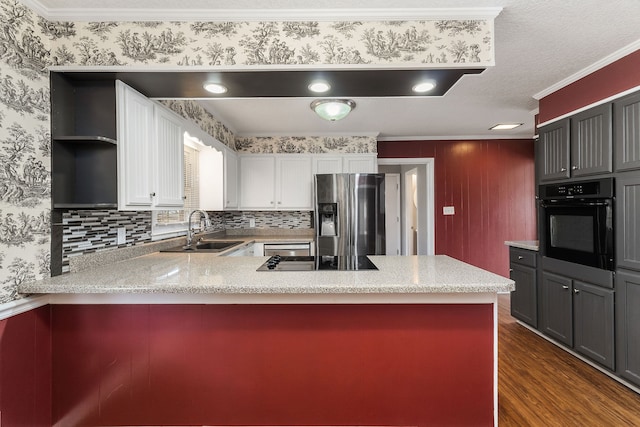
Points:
x=287 y=249
x=311 y=263
x=349 y=214
x=576 y=222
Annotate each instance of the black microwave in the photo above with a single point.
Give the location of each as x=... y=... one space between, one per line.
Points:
x=576 y=222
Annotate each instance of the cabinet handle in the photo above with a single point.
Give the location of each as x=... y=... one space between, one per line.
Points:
x=279 y=203
x=565 y=287
x=511 y=270
x=574 y=168
x=563 y=169
x=152 y=195
x=576 y=291
x=271 y=202
x=520 y=257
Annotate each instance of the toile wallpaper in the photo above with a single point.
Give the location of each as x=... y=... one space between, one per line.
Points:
x=30 y=44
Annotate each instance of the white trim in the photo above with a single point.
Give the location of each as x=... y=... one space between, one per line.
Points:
x=429 y=162
x=188 y=298
x=13 y=308
x=621 y=53
x=253 y=15
x=595 y=104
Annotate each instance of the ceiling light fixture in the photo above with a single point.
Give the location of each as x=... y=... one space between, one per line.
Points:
x=333 y=109
x=505 y=126
x=424 y=87
x=319 y=87
x=216 y=88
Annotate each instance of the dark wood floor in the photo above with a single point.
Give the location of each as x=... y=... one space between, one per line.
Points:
x=540 y=384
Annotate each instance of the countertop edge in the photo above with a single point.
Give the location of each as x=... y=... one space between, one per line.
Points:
x=532 y=245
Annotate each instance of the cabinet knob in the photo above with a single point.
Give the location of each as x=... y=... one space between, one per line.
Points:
x=574 y=168
x=271 y=202
x=511 y=270
x=563 y=169
x=576 y=291
x=520 y=257
x=152 y=195
x=565 y=287
x=279 y=203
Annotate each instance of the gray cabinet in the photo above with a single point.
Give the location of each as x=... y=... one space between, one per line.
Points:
x=593 y=321
x=579 y=315
x=627 y=229
x=524 y=303
x=626 y=112
x=581 y=145
x=591 y=142
x=628 y=325
x=553 y=151
x=557 y=308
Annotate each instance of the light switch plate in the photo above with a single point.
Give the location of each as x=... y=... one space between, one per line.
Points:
x=252 y=222
x=448 y=210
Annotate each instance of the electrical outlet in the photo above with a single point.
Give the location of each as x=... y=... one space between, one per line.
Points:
x=448 y=210
x=122 y=236
x=252 y=222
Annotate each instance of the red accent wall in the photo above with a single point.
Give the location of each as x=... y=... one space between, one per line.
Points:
x=616 y=77
x=273 y=365
x=490 y=183
x=25 y=369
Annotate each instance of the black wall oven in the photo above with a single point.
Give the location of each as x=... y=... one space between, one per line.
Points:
x=576 y=222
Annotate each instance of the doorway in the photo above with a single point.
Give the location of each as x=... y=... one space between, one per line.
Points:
x=416 y=204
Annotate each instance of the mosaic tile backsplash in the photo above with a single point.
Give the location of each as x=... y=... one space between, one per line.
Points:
x=88 y=231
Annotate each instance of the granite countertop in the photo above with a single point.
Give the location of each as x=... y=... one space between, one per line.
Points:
x=531 y=245
x=180 y=273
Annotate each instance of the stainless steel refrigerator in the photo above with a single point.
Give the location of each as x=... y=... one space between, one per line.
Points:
x=349 y=214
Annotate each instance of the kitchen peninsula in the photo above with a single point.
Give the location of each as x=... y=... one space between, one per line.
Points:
x=174 y=338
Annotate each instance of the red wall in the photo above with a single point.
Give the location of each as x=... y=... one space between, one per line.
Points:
x=25 y=369
x=491 y=185
x=273 y=365
x=622 y=75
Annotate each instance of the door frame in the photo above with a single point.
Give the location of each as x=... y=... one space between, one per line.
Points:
x=426 y=244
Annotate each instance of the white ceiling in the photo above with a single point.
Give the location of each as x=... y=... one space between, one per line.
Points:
x=539 y=44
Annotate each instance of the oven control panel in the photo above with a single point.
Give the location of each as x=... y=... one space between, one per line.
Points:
x=602 y=188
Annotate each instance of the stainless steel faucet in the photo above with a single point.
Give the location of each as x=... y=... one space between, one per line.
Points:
x=207 y=224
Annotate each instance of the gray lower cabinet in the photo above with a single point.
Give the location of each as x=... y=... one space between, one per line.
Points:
x=628 y=325
x=579 y=315
x=593 y=323
x=557 y=307
x=524 y=301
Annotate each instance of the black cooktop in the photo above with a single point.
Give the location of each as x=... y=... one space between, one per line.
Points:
x=311 y=263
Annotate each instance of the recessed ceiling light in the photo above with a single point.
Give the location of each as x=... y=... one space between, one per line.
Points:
x=319 y=87
x=216 y=88
x=424 y=87
x=505 y=126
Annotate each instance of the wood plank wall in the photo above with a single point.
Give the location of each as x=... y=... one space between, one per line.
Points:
x=491 y=185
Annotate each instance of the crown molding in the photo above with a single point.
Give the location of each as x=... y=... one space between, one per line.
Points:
x=251 y=15
x=590 y=69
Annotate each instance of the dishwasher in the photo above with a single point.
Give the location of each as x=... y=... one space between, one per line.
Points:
x=287 y=249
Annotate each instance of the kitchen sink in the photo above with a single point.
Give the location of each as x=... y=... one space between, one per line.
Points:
x=205 y=246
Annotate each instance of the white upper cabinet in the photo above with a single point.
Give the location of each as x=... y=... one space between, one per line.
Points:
x=275 y=181
x=327 y=164
x=230 y=179
x=150 y=153
x=257 y=182
x=169 y=159
x=361 y=163
x=293 y=182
